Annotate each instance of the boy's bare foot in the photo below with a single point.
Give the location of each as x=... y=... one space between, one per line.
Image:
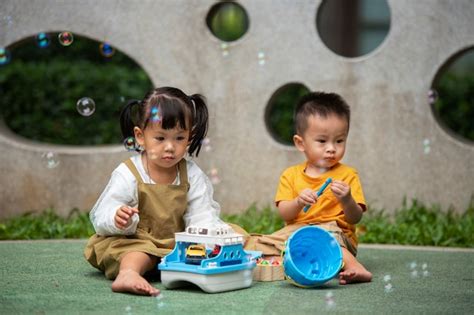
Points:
x=131 y=281
x=354 y=275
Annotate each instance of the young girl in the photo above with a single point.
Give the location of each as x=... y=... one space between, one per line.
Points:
x=154 y=194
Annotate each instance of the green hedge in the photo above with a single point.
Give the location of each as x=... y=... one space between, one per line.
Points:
x=455 y=105
x=39 y=90
x=412 y=224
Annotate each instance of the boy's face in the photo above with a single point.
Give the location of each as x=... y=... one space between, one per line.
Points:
x=324 y=141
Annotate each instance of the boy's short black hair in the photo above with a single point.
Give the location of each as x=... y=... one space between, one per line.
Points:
x=321 y=104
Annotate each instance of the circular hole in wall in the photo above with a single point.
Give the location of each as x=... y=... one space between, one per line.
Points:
x=353 y=28
x=68 y=90
x=227 y=20
x=279 y=111
x=452 y=95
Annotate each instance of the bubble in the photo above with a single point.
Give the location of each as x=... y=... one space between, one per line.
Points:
x=414 y=273
x=214 y=176
x=424 y=266
x=206 y=144
x=426 y=273
x=261 y=58
x=128 y=309
x=361 y=229
x=329 y=298
x=129 y=144
x=388 y=288
x=426 y=146
x=323 y=170
x=159 y=301
x=65 y=38
x=160 y=305
x=152 y=155
x=387 y=278
x=106 y=50
x=432 y=96
x=413 y=265
x=51 y=159
x=4 y=56
x=8 y=20
x=155 y=114
x=43 y=40
x=85 y=106
x=225 y=49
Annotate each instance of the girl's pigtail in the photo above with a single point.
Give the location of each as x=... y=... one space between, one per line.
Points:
x=126 y=120
x=199 y=129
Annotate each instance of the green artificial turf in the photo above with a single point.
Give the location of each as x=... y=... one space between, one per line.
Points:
x=52 y=277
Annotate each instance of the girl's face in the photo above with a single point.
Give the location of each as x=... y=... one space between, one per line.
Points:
x=164 y=148
x=324 y=141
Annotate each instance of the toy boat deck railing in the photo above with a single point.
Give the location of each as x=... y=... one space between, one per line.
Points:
x=232 y=256
x=230 y=269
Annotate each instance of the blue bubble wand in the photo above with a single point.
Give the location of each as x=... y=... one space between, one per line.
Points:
x=319 y=192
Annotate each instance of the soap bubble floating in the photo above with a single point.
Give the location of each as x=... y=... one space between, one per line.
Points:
x=51 y=159
x=261 y=58
x=129 y=144
x=155 y=114
x=8 y=20
x=388 y=288
x=224 y=49
x=65 y=38
x=106 y=50
x=426 y=146
x=214 y=176
x=159 y=301
x=85 y=106
x=4 y=56
x=206 y=144
x=43 y=40
x=432 y=96
x=329 y=299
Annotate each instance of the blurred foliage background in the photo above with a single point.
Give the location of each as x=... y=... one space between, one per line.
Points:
x=454 y=104
x=40 y=87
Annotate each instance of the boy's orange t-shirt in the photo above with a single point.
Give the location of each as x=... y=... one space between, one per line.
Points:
x=327 y=208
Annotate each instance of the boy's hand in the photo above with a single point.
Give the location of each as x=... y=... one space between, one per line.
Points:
x=123 y=216
x=341 y=190
x=306 y=197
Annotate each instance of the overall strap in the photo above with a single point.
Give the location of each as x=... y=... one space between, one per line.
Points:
x=134 y=170
x=183 y=173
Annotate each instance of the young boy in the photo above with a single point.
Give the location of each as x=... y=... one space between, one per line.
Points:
x=322 y=126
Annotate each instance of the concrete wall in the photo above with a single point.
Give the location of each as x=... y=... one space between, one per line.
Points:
x=170 y=40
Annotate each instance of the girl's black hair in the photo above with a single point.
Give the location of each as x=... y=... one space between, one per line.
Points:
x=174 y=108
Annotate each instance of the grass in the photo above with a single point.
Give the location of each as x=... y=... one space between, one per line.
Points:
x=46 y=225
x=412 y=224
x=416 y=224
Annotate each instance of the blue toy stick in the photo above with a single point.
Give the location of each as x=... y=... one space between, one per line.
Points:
x=319 y=192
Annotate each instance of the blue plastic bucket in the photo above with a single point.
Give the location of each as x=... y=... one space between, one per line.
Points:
x=312 y=257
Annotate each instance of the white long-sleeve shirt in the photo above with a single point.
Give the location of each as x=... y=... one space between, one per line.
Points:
x=202 y=210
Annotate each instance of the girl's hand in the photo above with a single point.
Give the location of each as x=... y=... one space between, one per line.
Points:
x=306 y=197
x=341 y=190
x=123 y=216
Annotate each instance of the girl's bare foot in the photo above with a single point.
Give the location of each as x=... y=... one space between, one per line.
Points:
x=131 y=281
x=354 y=275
